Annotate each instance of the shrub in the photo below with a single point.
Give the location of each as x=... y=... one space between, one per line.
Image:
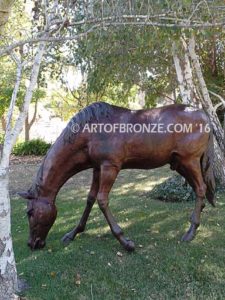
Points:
x=174 y=189
x=33 y=147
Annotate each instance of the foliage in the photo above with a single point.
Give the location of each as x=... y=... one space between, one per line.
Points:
x=174 y=189
x=1 y=138
x=127 y=57
x=32 y=147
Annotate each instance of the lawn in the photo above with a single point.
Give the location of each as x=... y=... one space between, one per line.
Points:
x=95 y=266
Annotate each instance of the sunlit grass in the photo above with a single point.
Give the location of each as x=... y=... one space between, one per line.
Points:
x=161 y=267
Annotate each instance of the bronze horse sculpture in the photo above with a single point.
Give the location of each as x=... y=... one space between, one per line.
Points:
x=189 y=153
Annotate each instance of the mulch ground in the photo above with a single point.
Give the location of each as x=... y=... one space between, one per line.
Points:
x=29 y=159
x=23 y=170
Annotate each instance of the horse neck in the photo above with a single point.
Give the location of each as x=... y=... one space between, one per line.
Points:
x=61 y=163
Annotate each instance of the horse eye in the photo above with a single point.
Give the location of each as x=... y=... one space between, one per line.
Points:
x=30 y=212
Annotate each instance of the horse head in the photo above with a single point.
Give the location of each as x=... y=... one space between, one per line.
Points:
x=41 y=215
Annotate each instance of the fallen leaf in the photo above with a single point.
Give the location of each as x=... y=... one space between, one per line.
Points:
x=119 y=254
x=78 y=279
x=53 y=274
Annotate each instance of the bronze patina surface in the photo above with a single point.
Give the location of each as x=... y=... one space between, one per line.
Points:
x=189 y=153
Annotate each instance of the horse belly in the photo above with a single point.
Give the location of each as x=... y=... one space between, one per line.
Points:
x=147 y=154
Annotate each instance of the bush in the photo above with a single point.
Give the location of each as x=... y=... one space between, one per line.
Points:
x=174 y=189
x=33 y=147
x=1 y=138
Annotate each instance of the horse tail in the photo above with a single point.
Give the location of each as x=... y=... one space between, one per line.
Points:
x=207 y=170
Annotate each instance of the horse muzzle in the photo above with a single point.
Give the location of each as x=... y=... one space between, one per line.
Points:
x=36 y=244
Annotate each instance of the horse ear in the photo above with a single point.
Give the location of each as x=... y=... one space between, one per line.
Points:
x=25 y=195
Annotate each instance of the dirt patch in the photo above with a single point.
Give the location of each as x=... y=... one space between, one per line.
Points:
x=22 y=171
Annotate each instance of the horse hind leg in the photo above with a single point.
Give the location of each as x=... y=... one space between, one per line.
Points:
x=108 y=176
x=191 y=171
x=68 y=237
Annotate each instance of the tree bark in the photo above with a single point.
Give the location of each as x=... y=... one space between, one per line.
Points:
x=188 y=92
x=183 y=69
x=206 y=101
x=213 y=58
x=219 y=161
x=27 y=129
x=8 y=275
x=29 y=92
x=180 y=76
x=28 y=124
x=219 y=164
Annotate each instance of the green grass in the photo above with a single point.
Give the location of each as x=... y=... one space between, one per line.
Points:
x=160 y=268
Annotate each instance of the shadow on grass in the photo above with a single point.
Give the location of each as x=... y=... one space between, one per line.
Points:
x=160 y=268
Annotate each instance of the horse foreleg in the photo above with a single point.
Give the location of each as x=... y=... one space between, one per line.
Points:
x=194 y=177
x=68 y=237
x=108 y=176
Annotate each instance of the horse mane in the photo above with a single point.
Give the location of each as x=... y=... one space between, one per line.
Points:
x=94 y=111
x=34 y=189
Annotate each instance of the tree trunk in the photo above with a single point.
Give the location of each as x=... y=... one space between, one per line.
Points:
x=186 y=84
x=29 y=92
x=141 y=98
x=218 y=164
x=180 y=76
x=206 y=101
x=212 y=54
x=219 y=161
x=28 y=124
x=8 y=275
x=188 y=92
x=27 y=129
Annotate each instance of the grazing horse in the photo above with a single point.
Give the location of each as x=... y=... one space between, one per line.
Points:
x=107 y=139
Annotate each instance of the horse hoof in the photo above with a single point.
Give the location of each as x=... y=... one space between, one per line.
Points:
x=187 y=237
x=129 y=246
x=66 y=239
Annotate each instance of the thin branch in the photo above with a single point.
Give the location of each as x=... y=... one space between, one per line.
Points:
x=194 y=11
x=13 y=98
x=8 y=49
x=34 y=115
x=124 y=20
x=27 y=99
x=222 y=101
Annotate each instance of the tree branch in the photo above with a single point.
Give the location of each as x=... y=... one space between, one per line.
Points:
x=222 y=101
x=28 y=96
x=45 y=38
x=124 y=20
